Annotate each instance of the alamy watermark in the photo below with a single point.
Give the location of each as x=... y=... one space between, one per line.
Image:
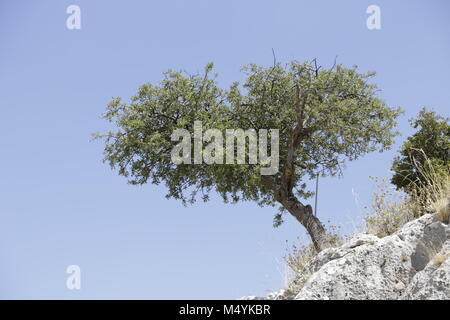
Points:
x=235 y=140
x=73 y=21
x=373 y=21
x=74 y=280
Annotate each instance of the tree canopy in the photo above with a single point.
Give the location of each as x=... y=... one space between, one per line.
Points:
x=324 y=117
x=429 y=145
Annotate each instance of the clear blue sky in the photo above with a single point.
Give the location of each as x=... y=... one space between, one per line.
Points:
x=60 y=205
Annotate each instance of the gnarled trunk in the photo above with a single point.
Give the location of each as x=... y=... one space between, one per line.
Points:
x=304 y=215
x=283 y=194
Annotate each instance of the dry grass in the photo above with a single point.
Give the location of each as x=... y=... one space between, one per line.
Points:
x=442 y=208
x=391 y=209
x=299 y=257
x=297 y=260
x=432 y=194
x=405 y=257
x=439 y=259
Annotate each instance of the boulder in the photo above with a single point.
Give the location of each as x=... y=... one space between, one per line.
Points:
x=401 y=266
x=413 y=263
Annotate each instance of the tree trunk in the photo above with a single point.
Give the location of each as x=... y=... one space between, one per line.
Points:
x=304 y=215
x=283 y=194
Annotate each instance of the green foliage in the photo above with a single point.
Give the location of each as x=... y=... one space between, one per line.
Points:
x=342 y=117
x=428 y=147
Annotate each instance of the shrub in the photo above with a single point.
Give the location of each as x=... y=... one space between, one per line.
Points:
x=431 y=142
x=392 y=209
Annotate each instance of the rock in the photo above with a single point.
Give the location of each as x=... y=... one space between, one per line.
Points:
x=276 y=295
x=433 y=282
x=413 y=263
x=368 y=267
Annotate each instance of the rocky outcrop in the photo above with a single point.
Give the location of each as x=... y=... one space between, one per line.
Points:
x=433 y=282
x=413 y=263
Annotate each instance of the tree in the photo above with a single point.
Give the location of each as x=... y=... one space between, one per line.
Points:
x=429 y=146
x=324 y=117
